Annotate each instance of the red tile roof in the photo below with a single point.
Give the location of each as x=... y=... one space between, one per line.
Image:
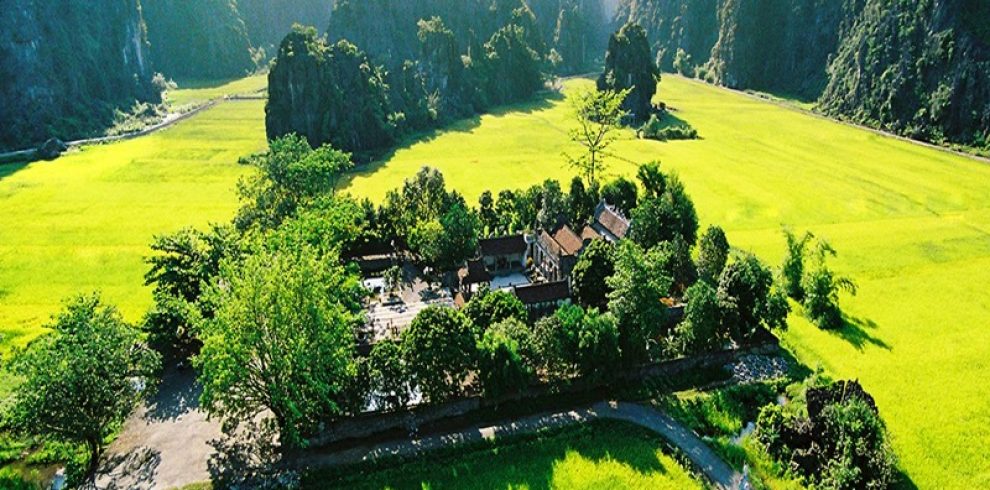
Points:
x=569 y=241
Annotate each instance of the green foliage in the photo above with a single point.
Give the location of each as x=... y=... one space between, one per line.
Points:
x=551 y=205
x=630 y=66
x=747 y=299
x=502 y=369
x=588 y=278
x=489 y=219
x=841 y=442
x=440 y=348
x=281 y=340
x=389 y=376
x=792 y=270
x=486 y=308
x=713 y=253
x=675 y=260
x=422 y=198
x=683 y=63
x=581 y=202
x=621 y=193
x=292 y=176
x=83 y=379
x=661 y=129
x=662 y=219
x=821 y=287
x=652 y=179
x=214 y=43
x=447 y=243
x=700 y=330
x=639 y=283
x=511 y=66
x=599 y=117
x=587 y=342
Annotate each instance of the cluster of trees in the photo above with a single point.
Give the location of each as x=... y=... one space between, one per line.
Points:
x=841 y=443
x=630 y=65
x=816 y=287
x=335 y=93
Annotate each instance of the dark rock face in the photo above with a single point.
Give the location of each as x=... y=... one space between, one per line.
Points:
x=202 y=39
x=917 y=68
x=267 y=21
x=66 y=66
x=629 y=65
x=690 y=25
x=328 y=94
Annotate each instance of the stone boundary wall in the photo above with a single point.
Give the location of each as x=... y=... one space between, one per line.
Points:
x=373 y=424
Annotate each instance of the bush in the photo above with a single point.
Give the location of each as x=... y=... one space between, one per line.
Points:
x=656 y=128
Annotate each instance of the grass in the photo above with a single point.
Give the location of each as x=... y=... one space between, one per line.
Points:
x=911 y=223
x=603 y=454
x=84 y=222
x=196 y=92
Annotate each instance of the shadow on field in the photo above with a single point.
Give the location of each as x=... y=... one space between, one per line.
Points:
x=536 y=461
x=856 y=331
x=543 y=101
x=8 y=169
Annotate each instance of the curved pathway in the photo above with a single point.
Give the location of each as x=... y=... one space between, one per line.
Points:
x=717 y=471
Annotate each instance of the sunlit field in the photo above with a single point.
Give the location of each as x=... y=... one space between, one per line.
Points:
x=192 y=92
x=84 y=221
x=912 y=226
x=603 y=454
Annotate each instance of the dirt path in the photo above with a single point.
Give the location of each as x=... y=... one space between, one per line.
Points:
x=718 y=473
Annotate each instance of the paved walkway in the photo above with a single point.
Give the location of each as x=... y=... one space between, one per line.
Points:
x=703 y=458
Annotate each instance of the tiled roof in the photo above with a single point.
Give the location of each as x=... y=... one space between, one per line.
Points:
x=506 y=245
x=611 y=220
x=543 y=293
x=569 y=241
x=589 y=233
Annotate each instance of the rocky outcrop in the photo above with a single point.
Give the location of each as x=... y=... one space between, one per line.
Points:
x=66 y=67
x=328 y=93
x=687 y=25
x=629 y=65
x=919 y=68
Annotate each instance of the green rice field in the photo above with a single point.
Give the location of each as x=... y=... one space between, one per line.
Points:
x=84 y=222
x=911 y=223
x=602 y=454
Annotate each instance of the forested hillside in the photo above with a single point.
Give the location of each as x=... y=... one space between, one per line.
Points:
x=66 y=66
x=919 y=68
x=205 y=39
x=573 y=29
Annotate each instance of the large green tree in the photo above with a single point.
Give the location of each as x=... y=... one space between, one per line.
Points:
x=292 y=176
x=80 y=381
x=389 y=376
x=440 y=348
x=821 y=287
x=792 y=270
x=700 y=330
x=639 y=283
x=661 y=219
x=487 y=308
x=281 y=341
x=713 y=253
x=748 y=299
x=588 y=278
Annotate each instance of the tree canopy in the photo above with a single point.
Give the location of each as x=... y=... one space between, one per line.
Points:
x=282 y=340
x=81 y=380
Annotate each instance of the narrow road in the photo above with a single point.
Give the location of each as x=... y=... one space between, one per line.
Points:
x=717 y=471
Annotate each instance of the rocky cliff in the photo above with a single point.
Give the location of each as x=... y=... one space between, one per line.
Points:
x=919 y=68
x=66 y=66
x=202 y=39
x=268 y=21
x=916 y=67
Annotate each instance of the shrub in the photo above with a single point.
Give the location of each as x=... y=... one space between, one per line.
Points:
x=656 y=128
